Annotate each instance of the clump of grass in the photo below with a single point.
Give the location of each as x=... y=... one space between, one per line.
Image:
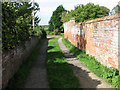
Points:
x=18 y=80
x=60 y=74
x=111 y=75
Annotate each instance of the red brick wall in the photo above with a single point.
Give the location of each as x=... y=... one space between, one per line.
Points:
x=11 y=60
x=98 y=37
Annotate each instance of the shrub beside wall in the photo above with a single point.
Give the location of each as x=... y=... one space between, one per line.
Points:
x=17 y=35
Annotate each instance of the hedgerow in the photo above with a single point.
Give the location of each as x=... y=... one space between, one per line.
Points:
x=17 y=23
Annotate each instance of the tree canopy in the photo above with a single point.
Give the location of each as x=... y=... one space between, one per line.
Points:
x=55 y=20
x=17 y=22
x=86 y=12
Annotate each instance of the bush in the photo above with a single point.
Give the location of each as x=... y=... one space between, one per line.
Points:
x=50 y=33
x=53 y=33
x=37 y=31
x=44 y=35
x=16 y=23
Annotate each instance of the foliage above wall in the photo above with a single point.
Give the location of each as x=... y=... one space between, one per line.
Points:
x=86 y=12
x=17 y=22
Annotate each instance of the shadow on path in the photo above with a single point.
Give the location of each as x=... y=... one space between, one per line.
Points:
x=86 y=78
x=38 y=76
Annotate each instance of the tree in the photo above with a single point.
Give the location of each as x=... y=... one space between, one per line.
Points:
x=116 y=9
x=86 y=12
x=17 y=23
x=55 y=21
x=66 y=15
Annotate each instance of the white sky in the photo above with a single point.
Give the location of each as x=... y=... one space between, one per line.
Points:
x=48 y=6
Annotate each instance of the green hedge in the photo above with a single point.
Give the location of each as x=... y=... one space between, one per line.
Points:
x=17 y=23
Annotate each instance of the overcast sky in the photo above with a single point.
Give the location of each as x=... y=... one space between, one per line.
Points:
x=48 y=6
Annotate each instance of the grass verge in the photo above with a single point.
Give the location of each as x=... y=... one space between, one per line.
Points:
x=60 y=74
x=111 y=75
x=18 y=80
x=60 y=35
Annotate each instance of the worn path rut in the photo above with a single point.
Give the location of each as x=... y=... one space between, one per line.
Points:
x=87 y=79
x=38 y=74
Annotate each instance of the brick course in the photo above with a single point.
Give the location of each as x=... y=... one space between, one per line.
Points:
x=98 y=37
x=11 y=60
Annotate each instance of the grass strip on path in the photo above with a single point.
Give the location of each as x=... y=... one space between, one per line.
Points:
x=20 y=77
x=60 y=74
x=111 y=75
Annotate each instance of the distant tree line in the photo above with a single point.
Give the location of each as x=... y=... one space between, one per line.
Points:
x=86 y=12
x=81 y=13
x=55 y=21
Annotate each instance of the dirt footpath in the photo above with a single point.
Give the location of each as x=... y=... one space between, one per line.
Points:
x=38 y=74
x=87 y=79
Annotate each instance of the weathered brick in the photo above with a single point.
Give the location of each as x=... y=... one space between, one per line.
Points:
x=98 y=37
x=11 y=60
